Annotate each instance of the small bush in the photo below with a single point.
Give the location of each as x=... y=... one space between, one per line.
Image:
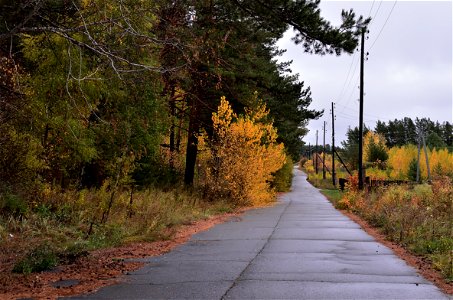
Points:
x=64 y=220
x=283 y=177
x=11 y=204
x=74 y=251
x=106 y=236
x=41 y=258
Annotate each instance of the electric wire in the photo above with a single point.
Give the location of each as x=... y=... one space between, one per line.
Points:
x=351 y=76
x=350 y=81
x=356 y=81
x=382 y=28
x=369 y=116
x=372 y=5
x=347 y=77
x=377 y=11
x=354 y=86
x=346 y=86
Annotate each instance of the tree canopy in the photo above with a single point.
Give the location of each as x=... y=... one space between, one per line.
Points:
x=107 y=90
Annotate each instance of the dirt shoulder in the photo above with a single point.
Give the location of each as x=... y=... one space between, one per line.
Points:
x=422 y=265
x=100 y=268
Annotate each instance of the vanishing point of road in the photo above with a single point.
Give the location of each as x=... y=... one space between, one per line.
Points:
x=301 y=248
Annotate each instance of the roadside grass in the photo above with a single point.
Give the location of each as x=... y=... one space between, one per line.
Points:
x=333 y=195
x=321 y=183
x=325 y=185
x=417 y=217
x=65 y=225
x=69 y=224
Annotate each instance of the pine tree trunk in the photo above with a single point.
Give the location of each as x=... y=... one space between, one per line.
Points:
x=172 y=127
x=192 y=144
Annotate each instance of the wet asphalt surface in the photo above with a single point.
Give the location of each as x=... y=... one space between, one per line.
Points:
x=301 y=248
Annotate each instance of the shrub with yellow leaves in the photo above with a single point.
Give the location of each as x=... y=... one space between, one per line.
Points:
x=243 y=155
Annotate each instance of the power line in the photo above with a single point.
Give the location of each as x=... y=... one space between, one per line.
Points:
x=377 y=11
x=347 y=115
x=352 y=91
x=385 y=23
x=367 y=115
x=347 y=118
x=354 y=72
x=347 y=77
x=343 y=89
x=372 y=5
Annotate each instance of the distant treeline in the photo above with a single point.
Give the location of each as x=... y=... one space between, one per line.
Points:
x=400 y=133
x=404 y=131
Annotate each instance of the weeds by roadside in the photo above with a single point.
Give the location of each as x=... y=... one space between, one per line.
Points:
x=334 y=195
x=69 y=224
x=420 y=218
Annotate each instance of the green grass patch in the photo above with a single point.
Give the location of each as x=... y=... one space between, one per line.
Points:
x=333 y=195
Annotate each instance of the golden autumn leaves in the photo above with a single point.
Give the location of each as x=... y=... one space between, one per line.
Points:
x=241 y=155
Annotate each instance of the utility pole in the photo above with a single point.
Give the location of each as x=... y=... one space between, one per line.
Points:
x=362 y=50
x=426 y=156
x=309 y=151
x=418 y=158
x=324 y=152
x=316 y=151
x=333 y=147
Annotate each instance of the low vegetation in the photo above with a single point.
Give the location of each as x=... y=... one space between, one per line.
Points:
x=418 y=216
x=240 y=164
x=69 y=224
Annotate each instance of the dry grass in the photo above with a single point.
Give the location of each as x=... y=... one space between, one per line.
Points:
x=65 y=225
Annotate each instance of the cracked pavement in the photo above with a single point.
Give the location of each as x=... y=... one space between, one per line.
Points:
x=301 y=248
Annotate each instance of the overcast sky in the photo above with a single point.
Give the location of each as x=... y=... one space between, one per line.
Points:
x=408 y=72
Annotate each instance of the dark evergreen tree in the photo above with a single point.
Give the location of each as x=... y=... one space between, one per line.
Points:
x=412 y=172
x=377 y=153
x=447 y=133
x=433 y=140
x=231 y=50
x=350 y=151
x=402 y=132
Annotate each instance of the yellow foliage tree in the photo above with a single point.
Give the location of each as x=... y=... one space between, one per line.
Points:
x=243 y=156
x=400 y=158
x=441 y=162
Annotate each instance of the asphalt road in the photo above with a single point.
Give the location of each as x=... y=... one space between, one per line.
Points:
x=302 y=248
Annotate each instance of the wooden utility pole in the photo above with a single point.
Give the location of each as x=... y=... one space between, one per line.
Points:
x=362 y=50
x=418 y=158
x=316 y=151
x=426 y=156
x=334 y=182
x=324 y=152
